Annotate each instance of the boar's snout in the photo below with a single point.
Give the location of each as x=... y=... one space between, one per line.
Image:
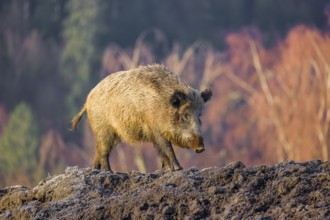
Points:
x=198 y=145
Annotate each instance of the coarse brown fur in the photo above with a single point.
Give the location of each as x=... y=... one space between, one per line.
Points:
x=145 y=104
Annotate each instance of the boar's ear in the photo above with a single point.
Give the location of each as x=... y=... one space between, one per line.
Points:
x=206 y=94
x=177 y=99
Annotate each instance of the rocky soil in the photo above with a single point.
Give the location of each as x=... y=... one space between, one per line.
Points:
x=286 y=190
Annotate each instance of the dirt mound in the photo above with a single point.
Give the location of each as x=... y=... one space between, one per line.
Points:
x=283 y=191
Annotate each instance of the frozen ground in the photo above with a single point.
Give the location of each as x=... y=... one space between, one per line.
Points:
x=286 y=190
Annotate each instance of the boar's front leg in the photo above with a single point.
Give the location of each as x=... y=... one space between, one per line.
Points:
x=165 y=161
x=166 y=153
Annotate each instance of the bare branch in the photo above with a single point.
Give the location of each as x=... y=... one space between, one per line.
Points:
x=241 y=83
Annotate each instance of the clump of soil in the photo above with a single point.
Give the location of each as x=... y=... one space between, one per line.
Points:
x=286 y=190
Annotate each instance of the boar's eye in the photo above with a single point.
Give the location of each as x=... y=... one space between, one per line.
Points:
x=175 y=102
x=177 y=99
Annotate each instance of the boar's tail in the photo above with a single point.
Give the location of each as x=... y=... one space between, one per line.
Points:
x=77 y=118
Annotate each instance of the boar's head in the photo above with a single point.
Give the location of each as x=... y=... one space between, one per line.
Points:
x=185 y=122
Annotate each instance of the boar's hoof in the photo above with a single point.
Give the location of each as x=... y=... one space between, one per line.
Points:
x=97 y=166
x=176 y=167
x=199 y=150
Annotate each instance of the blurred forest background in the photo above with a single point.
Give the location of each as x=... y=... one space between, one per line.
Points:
x=267 y=61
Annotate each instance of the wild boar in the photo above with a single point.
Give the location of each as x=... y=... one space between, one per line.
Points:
x=145 y=104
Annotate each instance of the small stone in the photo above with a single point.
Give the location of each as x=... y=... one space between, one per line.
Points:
x=216 y=190
x=235 y=165
x=99 y=207
x=170 y=185
x=169 y=210
x=212 y=190
x=144 y=207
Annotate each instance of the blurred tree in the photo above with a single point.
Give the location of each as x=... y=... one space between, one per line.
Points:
x=47 y=17
x=210 y=20
x=29 y=61
x=51 y=150
x=18 y=146
x=80 y=28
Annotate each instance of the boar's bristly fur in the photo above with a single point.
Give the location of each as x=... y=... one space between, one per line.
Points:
x=145 y=104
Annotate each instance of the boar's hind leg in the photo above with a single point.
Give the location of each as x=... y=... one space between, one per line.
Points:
x=101 y=159
x=103 y=149
x=166 y=152
x=97 y=161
